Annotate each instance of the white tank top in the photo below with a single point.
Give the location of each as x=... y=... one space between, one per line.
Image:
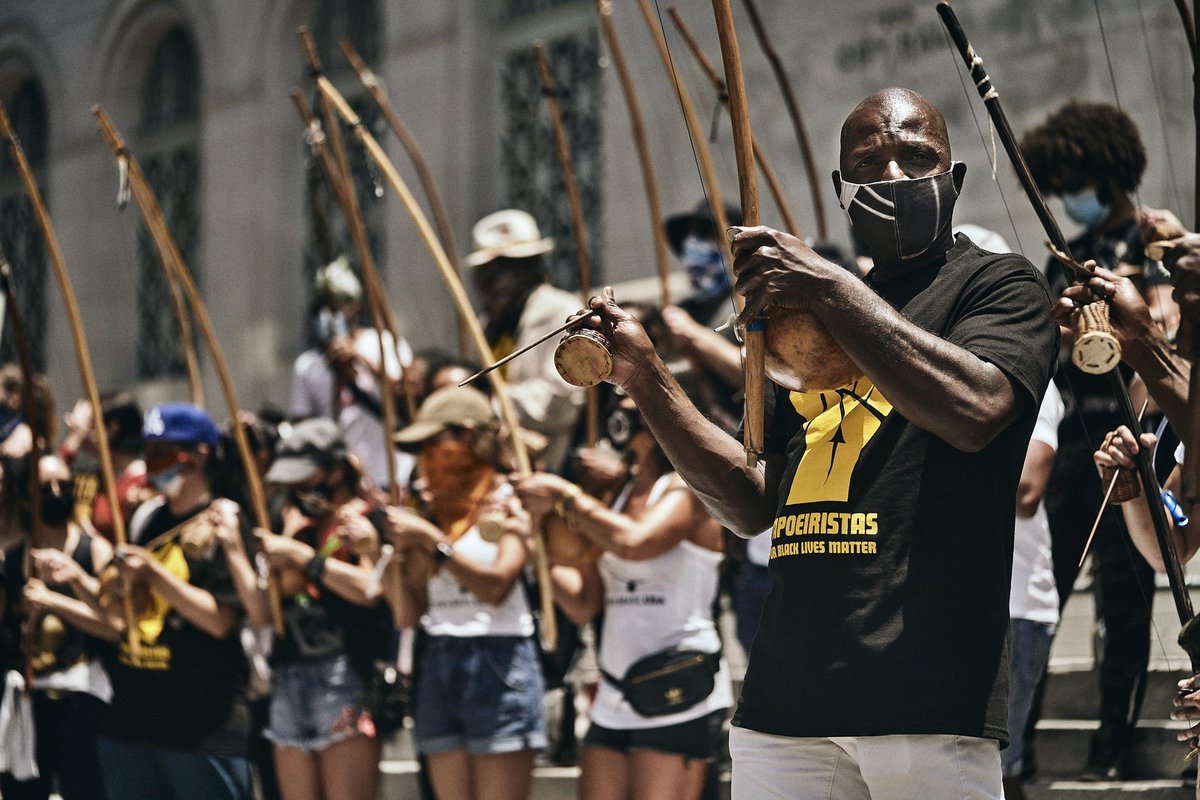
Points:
x=653 y=605
x=455 y=611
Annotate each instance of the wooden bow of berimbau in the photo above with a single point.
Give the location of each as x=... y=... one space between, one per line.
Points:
x=458 y=292
x=1189 y=637
x=151 y=212
x=83 y=358
x=37 y=428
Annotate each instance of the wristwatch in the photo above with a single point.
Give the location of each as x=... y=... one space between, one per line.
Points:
x=442 y=552
x=315 y=568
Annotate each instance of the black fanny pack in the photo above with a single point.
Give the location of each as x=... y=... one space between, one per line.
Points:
x=669 y=681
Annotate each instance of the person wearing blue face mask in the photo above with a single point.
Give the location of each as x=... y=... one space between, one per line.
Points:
x=1091 y=156
x=179 y=726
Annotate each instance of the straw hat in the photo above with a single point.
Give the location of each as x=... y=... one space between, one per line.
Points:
x=510 y=233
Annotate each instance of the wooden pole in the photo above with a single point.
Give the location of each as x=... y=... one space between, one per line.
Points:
x=718 y=83
x=376 y=293
x=715 y=203
x=148 y=205
x=37 y=430
x=84 y=358
x=793 y=109
x=638 y=129
x=578 y=227
x=743 y=145
x=393 y=577
x=441 y=219
x=459 y=293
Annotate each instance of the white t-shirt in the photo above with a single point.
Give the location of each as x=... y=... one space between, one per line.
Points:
x=758 y=549
x=454 y=610
x=1033 y=595
x=313 y=388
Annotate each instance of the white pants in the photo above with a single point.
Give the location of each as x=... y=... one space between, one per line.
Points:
x=914 y=767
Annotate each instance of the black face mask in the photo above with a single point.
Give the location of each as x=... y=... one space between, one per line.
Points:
x=623 y=424
x=901 y=220
x=56 y=508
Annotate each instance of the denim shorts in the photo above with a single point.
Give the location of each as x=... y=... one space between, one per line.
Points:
x=315 y=704
x=481 y=694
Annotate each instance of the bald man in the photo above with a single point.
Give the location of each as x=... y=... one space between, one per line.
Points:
x=880 y=666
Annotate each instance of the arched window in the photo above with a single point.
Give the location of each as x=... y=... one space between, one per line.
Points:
x=360 y=22
x=19 y=235
x=534 y=178
x=169 y=150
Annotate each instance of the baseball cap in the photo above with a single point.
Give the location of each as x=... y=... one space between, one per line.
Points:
x=180 y=423
x=451 y=406
x=309 y=447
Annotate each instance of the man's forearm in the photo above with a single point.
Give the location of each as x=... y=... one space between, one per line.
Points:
x=1166 y=376
x=936 y=385
x=710 y=461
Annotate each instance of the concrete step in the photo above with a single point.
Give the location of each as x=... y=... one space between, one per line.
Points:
x=1073 y=693
x=1062 y=745
x=1124 y=790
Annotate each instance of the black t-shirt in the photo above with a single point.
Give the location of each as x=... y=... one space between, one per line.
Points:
x=892 y=550
x=320 y=623
x=57 y=645
x=187 y=693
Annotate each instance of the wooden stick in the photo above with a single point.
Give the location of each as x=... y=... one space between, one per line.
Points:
x=373 y=284
x=743 y=145
x=151 y=211
x=83 y=356
x=457 y=291
x=37 y=429
x=339 y=189
x=718 y=83
x=637 y=127
x=441 y=219
x=1107 y=494
x=578 y=227
x=793 y=109
x=715 y=203
x=571 y=323
x=341 y=182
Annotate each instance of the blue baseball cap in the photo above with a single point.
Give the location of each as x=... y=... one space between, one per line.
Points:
x=181 y=423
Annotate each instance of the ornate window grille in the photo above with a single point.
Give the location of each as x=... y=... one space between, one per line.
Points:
x=19 y=235
x=533 y=176
x=328 y=237
x=169 y=132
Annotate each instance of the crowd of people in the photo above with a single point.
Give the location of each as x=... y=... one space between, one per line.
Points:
x=896 y=568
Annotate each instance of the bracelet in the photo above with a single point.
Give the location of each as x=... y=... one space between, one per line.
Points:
x=315 y=568
x=565 y=504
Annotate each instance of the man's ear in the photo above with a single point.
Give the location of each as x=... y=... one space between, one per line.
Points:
x=837 y=186
x=959 y=171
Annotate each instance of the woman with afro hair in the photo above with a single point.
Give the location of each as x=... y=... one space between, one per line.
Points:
x=1091 y=156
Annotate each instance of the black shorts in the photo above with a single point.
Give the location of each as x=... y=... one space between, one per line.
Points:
x=697 y=738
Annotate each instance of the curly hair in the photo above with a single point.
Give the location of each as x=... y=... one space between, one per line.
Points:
x=1084 y=144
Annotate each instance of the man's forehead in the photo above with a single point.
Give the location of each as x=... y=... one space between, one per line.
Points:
x=896 y=111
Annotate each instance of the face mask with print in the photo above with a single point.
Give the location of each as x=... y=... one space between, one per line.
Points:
x=330 y=325
x=314 y=502
x=900 y=220
x=1084 y=208
x=169 y=481
x=706 y=271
